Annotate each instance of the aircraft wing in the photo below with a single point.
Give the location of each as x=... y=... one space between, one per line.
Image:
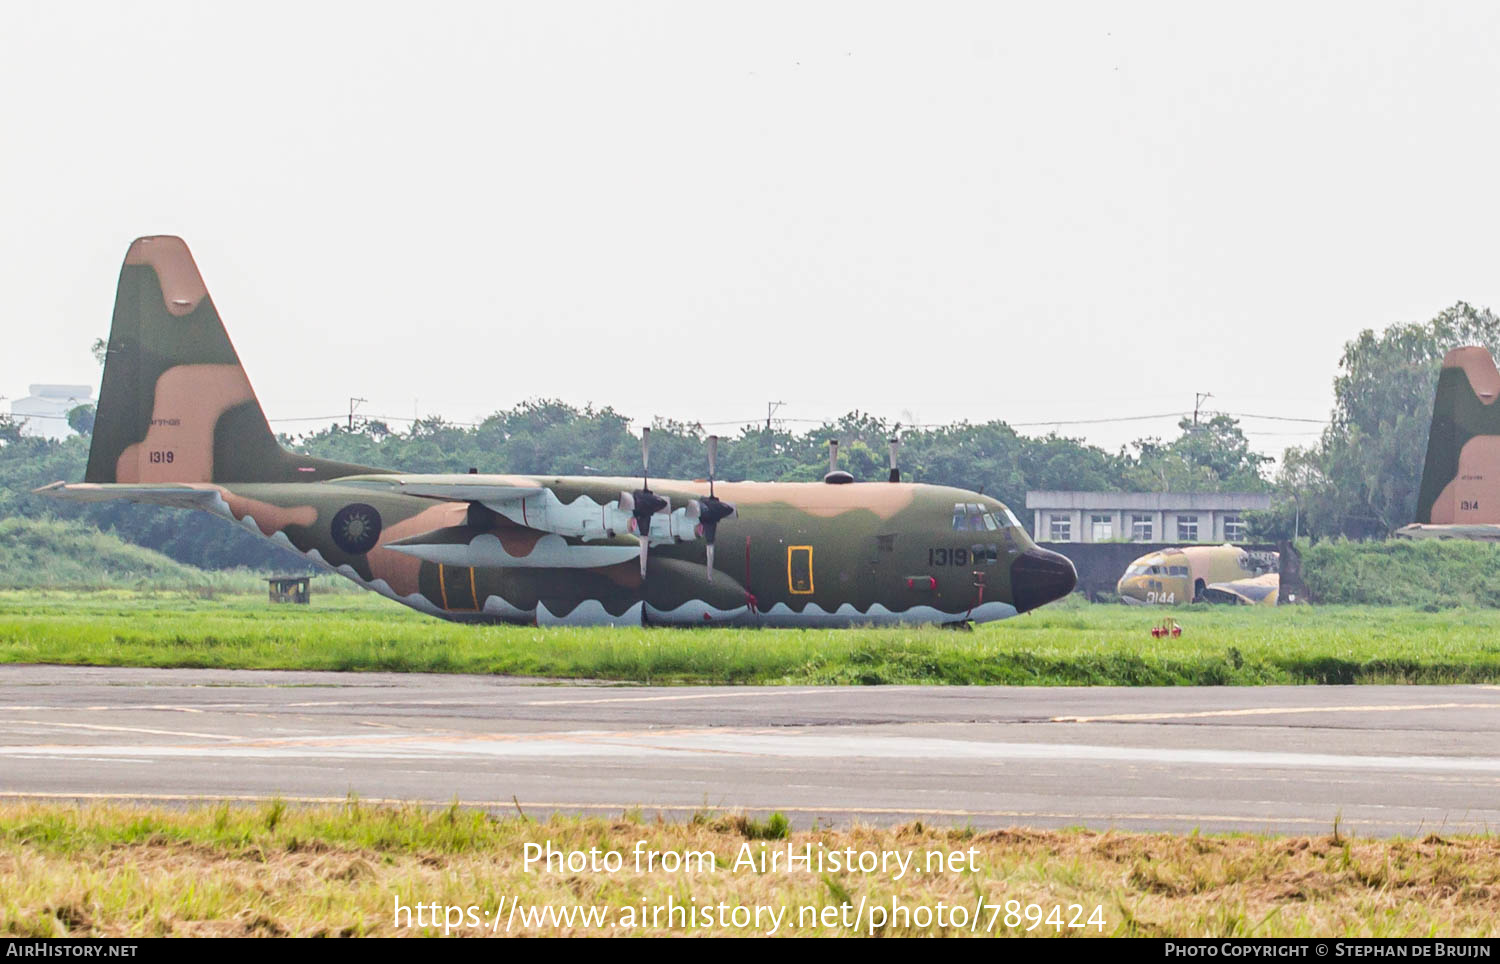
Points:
x=1257 y=591
x=509 y=549
x=535 y=506
x=458 y=491
x=538 y=530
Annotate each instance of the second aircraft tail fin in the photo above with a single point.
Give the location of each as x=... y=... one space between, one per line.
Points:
x=1461 y=475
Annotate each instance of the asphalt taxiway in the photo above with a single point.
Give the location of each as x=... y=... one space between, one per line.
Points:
x=1381 y=759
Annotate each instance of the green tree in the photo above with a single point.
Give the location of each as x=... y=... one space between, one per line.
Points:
x=1371 y=454
x=1212 y=455
x=81 y=419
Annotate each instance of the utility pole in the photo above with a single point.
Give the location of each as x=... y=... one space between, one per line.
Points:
x=1198 y=398
x=353 y=404
x=771 y=408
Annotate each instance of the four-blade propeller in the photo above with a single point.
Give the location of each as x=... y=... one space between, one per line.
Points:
x=642 y=504
x=710 y=510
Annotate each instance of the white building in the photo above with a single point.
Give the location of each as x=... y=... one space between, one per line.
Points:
x=45 y=410
x=1142 y=516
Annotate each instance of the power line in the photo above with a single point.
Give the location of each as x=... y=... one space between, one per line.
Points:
x=1097 y=421
x=1277 y=418
x=805 y=421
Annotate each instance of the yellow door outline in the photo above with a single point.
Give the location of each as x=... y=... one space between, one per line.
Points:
x=791 y=584
x=443 y=587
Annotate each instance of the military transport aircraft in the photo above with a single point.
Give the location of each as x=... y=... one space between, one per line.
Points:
x=178 y=425
x=1187 y=574
x=1460 y=493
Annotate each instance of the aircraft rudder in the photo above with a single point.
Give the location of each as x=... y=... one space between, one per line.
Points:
x=1453 y=471
x=175 y=404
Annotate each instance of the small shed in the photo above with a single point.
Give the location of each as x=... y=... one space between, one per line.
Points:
x=289 y=589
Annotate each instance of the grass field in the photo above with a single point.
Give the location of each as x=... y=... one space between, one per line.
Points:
x=1067 y=644
x=274 y=869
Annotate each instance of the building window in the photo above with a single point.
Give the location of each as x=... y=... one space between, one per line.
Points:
x=1061 y=529
x=1187 y=528
x=1234 y=528
x=1102 y=527
x=1140 y=528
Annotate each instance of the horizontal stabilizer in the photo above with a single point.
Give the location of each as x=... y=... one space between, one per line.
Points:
x=181 y=496
x=1478 y=532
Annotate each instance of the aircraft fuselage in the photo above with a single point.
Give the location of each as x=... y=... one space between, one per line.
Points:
x=795 y=554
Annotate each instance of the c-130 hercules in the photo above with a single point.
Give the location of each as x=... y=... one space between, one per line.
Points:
x=179 y=425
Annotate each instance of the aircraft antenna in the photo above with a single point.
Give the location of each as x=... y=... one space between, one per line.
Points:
x=646 y=459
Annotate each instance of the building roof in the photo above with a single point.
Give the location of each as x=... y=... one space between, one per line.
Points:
x=1150 y=501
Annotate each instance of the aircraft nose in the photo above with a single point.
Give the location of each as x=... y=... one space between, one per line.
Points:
x=1039 y=576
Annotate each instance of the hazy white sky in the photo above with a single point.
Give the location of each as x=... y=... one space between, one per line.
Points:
x=926 y=210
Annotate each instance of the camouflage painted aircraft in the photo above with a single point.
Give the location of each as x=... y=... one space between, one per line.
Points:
x=1226 y=574
x=1460 y=493
x=179 y=425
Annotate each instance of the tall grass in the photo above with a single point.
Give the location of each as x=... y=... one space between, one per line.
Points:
x=65 y=555
x=1428 y=573
x=1087 y=645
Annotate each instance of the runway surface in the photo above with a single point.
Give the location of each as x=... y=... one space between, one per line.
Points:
x=1383 y=759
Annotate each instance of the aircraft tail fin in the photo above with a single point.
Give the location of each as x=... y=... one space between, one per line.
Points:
x=1461 y=474
x=176 y=405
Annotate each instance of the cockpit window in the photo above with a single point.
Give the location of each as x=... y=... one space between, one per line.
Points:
x=1155 y=570
x=973 y=517
x=968 y=517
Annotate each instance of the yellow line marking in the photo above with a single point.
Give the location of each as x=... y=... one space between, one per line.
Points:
x=1274 y=711
x=695 y=808
x=124 y=729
